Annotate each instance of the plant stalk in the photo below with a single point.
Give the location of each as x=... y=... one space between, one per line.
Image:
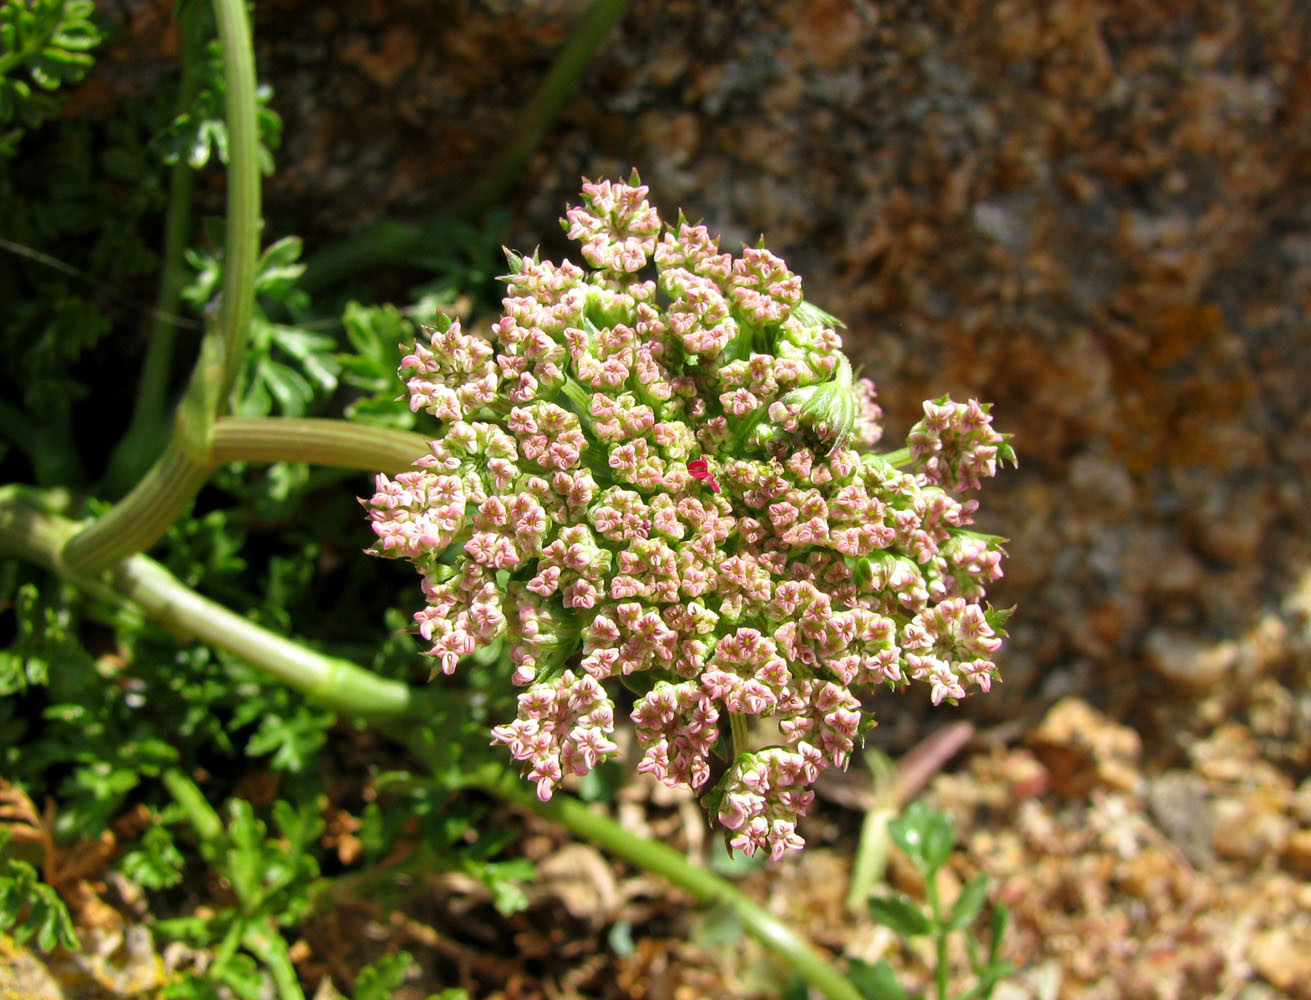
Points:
x=138 y=520
x=241 y=249
x=146 y=433
x=327 y=442
x=139 y=581
x=704 y=886
x=537 y=116
x=148 y=510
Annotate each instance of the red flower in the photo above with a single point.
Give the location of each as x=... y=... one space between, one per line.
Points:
x=700 y=469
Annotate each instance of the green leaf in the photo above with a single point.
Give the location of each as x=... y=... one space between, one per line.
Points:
x=795 y=989
x=925 y=835
x=293 y=739
x=30 y=908
x=899 y=914
x=201 y=131
x=998 y=924
x=379 y=980
x=49 y=41
x=968 y=903
x=155 y=862
x=240 y=974
x=875 y=982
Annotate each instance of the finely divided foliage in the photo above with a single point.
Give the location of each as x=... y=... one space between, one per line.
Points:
x=669 y=479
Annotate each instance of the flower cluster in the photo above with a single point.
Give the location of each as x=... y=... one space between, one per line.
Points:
x=659 y=467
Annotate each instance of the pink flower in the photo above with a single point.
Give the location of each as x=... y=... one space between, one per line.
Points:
x=572 y=512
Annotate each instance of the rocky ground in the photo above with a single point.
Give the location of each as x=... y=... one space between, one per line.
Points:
x=1095 y=214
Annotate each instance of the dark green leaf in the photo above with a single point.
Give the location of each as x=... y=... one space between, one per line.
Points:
x=795 y=989
x=997 y=927
x=875 y=982
x=899 y=914
x=155 y=862
x=968 y=903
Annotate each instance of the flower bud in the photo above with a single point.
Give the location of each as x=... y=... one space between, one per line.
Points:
x=830 y=408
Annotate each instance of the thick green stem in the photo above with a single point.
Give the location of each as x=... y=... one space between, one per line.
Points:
x=338 y=443
x=737 y=726
x=898 y=459
x=704 y=886
x=241 y=249
x=138 y=520
x=334 y=683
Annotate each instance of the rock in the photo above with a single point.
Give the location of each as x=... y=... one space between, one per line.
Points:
x=1249 y=828
x=1178 y=803
x=1297 y=852
x=1282 y=960
x=1182 y=660
x=1082 y=749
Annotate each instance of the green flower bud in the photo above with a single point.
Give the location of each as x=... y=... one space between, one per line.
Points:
x=830 y=408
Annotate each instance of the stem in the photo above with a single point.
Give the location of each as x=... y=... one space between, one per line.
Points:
x=892 y=789
x=939 y=934
x=704 y=886
x=872 y=850
x=200 y=814
x=138 y=520
x=737 y=725
x=320 y=442
x=898 y=459
x=270 y=947
x=241 y=250
x=145 y=435
x=334 y=683
x=540 y=112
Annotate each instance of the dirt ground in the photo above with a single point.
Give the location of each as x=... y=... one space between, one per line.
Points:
x=1095 y=214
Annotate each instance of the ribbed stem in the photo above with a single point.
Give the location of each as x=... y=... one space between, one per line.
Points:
x=138 y=520
x=336 y=684
x=338 y=443
x=241 y=249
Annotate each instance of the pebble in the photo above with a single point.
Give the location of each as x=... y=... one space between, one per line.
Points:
x=1185 y=661
x=1083 y=748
